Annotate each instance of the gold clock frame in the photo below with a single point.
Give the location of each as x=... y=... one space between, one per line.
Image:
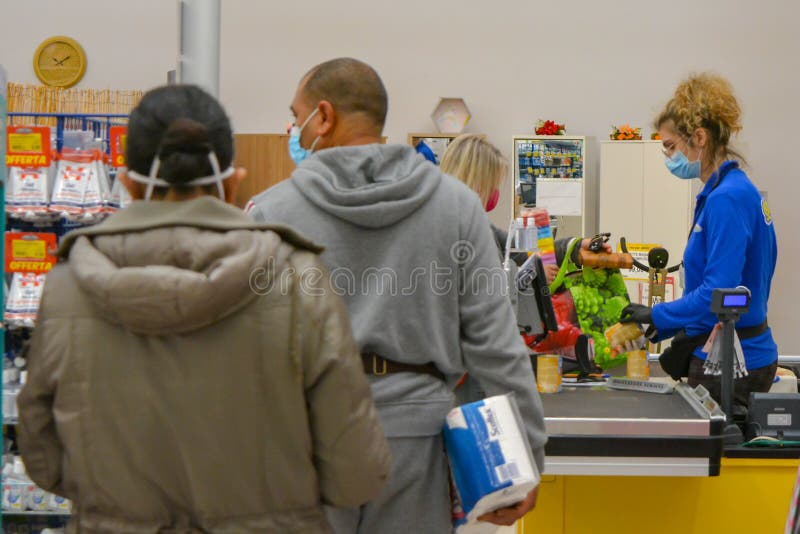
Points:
x=70 y=42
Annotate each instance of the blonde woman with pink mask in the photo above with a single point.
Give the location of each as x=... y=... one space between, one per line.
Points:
x=482 y=167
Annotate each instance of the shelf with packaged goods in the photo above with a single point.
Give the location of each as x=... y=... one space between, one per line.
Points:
x=22 y=497
x=10 y=410
x=36 y=513
x=531 y=179
x=553 y=172
x=28 y=508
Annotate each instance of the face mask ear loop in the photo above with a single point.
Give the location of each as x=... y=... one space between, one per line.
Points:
x=308 y=119
x=212 y=157
x=153 y=175
x=316 y=140
x=700 y=150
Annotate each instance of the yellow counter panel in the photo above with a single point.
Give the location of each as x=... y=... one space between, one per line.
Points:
x=749 y=496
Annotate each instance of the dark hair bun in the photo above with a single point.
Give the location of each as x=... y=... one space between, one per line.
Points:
x=183 y=150
x=181 y=125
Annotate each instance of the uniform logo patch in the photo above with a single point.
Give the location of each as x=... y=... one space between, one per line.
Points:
x=697 y=228
x=766 y=211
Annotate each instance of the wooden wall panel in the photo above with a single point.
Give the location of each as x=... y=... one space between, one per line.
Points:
x=266 y=158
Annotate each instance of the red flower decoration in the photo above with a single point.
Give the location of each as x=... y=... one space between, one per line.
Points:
x=550 y=128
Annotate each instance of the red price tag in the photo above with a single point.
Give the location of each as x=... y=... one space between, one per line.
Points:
x=28 y=146
x=118 y=139
x=28 y=252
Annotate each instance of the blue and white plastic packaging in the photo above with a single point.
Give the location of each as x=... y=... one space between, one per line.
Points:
x=490 y=460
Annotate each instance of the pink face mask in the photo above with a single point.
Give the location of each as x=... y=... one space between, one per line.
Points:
x=494 y=198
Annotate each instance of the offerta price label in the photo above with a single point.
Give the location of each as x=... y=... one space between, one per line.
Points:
x=28 y=146
x=29 y=252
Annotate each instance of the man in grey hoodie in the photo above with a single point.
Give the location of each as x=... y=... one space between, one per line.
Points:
x=411 y=251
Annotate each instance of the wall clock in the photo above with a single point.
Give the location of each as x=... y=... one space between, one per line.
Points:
x=59 y=62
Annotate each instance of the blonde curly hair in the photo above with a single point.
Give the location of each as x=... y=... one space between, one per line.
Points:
x=705 y=101
x=476 y=162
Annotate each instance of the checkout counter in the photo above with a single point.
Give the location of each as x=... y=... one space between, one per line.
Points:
x=622 y=461
x=637 y=462
x=602 y=431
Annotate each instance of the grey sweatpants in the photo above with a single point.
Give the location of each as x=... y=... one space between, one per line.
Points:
x=416 y=499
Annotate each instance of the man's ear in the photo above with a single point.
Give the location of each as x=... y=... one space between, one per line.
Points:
x=135 y=189
x=328 y=118
x=231 y=185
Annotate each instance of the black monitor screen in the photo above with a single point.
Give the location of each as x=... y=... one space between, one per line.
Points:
x=528 y=194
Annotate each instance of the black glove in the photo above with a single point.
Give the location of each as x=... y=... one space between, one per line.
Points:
x=638 y=313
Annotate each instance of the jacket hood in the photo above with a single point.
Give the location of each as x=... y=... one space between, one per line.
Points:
x=370 y=185
x=174 y=278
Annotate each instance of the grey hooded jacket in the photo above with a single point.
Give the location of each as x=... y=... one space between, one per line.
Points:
x=166 y=395
x=411 y=251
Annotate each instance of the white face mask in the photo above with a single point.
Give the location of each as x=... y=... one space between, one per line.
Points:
x=152 y=180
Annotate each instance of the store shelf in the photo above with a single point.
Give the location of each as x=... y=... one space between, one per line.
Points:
x=554 y=171
x=533 y=176
x=36 y=513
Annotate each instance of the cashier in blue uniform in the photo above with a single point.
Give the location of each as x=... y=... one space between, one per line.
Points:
x=732 y=240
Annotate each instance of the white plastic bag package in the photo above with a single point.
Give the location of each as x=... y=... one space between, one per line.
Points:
x=105 y=188
x=24 y=297
x=120 y=198
x=713 y=347
x=81 y=192
x=21 y=494
x=96 y=197
x=14 y=496
x=490 y=460
x=15 y=484
x=28 y=193
x=10 y=407
x=37 y=499
x=69 y=191
x=59 y=504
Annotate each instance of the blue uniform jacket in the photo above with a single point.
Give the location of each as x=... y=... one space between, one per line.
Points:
x=732 y=243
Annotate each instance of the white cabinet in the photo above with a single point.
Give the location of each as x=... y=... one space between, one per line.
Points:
x=640 y=199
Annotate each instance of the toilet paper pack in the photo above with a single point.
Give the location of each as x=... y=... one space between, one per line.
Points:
x=490 y=459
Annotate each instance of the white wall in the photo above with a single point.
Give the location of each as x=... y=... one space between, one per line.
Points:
x=587 y=63
x=129 y=45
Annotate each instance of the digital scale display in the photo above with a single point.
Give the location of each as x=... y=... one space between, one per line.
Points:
x=734 y=301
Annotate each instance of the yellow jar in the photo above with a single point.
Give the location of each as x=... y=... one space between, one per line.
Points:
x=548 y=373
x=638 y=366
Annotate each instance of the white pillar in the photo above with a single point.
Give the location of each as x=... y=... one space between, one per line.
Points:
x=198 y=61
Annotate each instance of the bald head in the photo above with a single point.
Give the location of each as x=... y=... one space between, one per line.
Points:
x=352 y=87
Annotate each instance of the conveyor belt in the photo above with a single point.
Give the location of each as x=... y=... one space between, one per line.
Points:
x=595 y=430
x=598 y=411
x=602 y=402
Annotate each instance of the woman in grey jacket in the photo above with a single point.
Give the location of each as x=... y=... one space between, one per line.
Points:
x=181 y=377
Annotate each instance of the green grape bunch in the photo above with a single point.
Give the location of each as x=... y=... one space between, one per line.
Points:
x=599 y=296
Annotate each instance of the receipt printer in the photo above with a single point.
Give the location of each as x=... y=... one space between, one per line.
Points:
x=776 y=415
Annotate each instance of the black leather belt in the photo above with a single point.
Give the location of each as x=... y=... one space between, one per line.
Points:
x=377 y=365
x=752 y=331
